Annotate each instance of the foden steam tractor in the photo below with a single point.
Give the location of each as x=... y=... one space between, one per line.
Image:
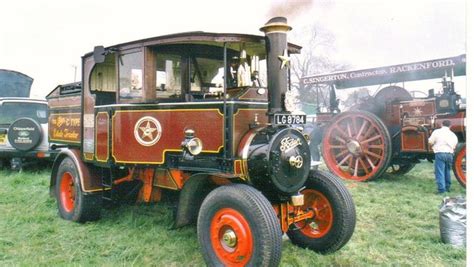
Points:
x=192 y=112
x=390 y=130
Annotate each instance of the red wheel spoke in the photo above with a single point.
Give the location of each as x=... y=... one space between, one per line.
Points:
x=373 y=154
x=340 y=139
x=344 y=160
x=370 y=162
x=361 y=129
x=356 y=167
x=341 y=131
x=342 y=153
x=368 y=132
x=354 y=124
x=376 y=146
x=349 y=130
x=371 y=139
x=337 y=147
x=350 y=162
x=364 y=166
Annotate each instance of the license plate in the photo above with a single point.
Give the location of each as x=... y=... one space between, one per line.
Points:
x=3 y=139
x=290 y=119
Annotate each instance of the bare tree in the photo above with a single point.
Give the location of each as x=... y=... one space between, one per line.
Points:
x=315 y=58
x=356 y=98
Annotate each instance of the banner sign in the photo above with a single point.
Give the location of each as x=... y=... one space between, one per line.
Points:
x=423 y=70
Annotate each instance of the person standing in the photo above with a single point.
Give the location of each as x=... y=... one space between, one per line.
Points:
x=443 y=142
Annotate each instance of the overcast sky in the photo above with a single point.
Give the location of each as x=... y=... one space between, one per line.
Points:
x=46 y=39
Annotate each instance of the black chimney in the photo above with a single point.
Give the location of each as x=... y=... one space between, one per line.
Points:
x=277 y=63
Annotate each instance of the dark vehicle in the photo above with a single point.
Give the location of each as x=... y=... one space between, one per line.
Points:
x=390 y=130
x=24 y=133
x=196 y=113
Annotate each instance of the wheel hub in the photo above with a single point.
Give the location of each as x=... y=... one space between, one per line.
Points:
x=354 y=147
x=229 y=238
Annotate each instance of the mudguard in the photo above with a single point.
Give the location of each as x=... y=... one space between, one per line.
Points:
x=191 y=197
x=89 y=176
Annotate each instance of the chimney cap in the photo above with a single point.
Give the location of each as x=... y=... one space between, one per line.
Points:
x=276 y=24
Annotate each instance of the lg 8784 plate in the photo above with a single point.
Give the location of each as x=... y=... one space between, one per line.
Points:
x=290 y=119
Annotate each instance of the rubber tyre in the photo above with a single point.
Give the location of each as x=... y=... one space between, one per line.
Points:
x=331 y=160
x=257 y=217
x=458 y=168
x=73 y=203
x=343 y=215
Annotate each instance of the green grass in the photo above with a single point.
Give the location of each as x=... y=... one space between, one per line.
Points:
x=397 y=224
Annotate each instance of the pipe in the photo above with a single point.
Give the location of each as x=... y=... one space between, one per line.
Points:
x=277 y=63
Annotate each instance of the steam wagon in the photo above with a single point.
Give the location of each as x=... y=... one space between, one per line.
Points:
x=390 y=130
x=199 y=113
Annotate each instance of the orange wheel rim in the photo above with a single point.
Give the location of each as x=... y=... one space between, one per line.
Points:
x=231 y=237
x=460 y=165
x=354 y=147
x=67 y=193
x=322 y=222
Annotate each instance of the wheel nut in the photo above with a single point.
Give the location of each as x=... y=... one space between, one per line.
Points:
x=229 y=238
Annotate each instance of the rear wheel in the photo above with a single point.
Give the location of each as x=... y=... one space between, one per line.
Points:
x=357 y=146
x=73 y=203
x=459 y=166
x=237 y=226
x=334 y=220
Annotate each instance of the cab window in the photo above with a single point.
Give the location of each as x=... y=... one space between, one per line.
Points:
x=168 y=76
x=207 y=76
x=131 y=76
x=103 y=81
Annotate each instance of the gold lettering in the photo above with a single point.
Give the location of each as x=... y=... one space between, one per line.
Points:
x=61 y=121
x=58 y=133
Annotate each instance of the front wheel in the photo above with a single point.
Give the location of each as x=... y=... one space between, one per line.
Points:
x=237 y=226
x=74 y=204
x=334 y=215
x=459 y=166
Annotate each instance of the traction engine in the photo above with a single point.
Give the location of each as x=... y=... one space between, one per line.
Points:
x=389 y=132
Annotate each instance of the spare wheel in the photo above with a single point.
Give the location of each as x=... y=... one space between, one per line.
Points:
x=25 y=134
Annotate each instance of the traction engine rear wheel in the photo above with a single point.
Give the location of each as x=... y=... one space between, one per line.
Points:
x=73 y=203
x=357 y=146
x=335 y=217
x=459 y=166
x=237 y=226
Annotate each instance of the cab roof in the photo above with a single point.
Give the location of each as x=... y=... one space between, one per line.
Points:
x=197 y=37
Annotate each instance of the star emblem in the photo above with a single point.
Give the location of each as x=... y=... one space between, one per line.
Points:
x=147 y=131
x=417 y=111
x=285 y=59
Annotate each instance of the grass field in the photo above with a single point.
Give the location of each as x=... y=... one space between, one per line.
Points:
x=397 y=224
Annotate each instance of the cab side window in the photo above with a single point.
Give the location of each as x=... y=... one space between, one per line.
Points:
x=103 y=81
x=131 y=76
x=168 y=76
